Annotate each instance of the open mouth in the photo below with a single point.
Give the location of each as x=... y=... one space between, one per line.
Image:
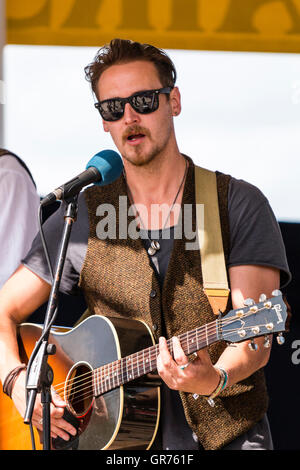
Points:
x=135 y=137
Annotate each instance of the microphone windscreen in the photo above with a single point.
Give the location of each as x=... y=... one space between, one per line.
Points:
x=109 y=164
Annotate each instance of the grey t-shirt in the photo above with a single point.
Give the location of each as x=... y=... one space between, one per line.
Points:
x=255 y=239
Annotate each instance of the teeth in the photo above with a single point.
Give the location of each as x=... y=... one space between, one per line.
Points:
x=135 y=136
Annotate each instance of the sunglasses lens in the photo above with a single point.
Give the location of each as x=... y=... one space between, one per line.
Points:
x=112 y=110
x=145 y=103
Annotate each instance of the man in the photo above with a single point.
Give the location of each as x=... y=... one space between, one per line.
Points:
x=162 y=285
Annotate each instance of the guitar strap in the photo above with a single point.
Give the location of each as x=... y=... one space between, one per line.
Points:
x=209 y=234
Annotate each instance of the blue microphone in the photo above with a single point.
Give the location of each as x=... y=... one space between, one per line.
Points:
x=104 y=168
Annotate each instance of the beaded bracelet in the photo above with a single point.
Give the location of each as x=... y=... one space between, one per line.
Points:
x=221 y=385
x=11 y=378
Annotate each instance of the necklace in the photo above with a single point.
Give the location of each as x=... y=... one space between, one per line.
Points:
x=154 y=244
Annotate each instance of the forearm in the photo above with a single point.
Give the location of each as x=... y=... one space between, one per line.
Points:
x=9 y=351
x=201 y=376
x=248 y=281
x=23 y=293
x=240 y=361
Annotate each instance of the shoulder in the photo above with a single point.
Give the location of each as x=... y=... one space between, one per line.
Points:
x=248 y=209
x=244 y=197
x=255 y=236
x=16 y=183
x=11 y=169
x=9 y=162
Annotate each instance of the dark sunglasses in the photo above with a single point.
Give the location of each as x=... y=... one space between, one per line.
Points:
x=143 y=102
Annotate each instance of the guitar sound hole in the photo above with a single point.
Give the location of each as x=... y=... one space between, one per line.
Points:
x=79 y=389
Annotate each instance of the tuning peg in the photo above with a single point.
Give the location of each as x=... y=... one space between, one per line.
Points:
x=276 y=292
x=253 y=346
x=280 y=339
x=249 y=302
x=262 y=297
x=267 y=343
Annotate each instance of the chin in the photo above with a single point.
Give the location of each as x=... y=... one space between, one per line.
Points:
x=140 y=159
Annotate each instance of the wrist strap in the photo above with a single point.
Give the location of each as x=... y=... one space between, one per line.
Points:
x=221 y=385
x=11 y=378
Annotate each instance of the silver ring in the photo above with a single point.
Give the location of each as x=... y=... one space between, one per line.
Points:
x=41 y=421
x=184 y=366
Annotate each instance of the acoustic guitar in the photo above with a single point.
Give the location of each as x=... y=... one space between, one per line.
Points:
x=105 y=370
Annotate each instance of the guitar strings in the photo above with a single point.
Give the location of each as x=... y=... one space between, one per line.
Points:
x=135 y=365
x=87 y=390
x=78 y=379
x=105 y=386
x=151 y=349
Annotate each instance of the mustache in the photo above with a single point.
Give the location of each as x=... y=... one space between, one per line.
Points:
x=134 y=130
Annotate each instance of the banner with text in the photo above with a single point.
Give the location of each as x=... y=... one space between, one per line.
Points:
x=232 y=25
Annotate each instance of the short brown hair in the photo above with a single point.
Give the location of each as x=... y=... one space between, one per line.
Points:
x=121 y=51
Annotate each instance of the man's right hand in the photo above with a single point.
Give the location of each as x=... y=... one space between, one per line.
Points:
x=59 y=426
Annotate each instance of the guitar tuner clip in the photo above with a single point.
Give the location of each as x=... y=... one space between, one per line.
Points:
x=249 y=302
x=262 y=298
x=280 y=339
x=253 y=346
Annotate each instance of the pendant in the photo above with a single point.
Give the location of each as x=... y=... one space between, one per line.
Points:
x=154 y=247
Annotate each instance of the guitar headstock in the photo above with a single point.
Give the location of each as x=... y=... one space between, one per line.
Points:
x=266 y=317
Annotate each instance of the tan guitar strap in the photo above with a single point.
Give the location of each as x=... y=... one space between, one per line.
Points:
x=209 y=234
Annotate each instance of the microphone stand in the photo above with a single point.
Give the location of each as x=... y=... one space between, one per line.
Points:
x=40 y=374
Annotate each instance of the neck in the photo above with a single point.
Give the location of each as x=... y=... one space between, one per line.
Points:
x=157 y=192
x=157 y=182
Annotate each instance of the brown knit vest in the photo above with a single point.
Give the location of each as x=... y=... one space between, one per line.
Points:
x=118 y=280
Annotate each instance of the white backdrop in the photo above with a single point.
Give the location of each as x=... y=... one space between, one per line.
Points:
x=241 y=115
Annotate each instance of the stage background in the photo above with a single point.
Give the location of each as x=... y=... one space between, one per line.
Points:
x=240 y=81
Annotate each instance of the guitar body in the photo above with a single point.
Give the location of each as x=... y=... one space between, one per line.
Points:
x=125 y=417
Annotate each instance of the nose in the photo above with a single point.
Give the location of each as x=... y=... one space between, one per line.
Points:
x=130 y=115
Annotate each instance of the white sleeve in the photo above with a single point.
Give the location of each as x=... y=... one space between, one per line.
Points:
x=19 y=203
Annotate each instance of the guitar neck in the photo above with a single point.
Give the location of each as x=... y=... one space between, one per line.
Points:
x=131 y=367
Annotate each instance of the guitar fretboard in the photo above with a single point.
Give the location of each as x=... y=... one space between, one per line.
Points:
x=131 y=367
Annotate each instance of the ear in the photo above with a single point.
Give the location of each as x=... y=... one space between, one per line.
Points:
x=175 y=100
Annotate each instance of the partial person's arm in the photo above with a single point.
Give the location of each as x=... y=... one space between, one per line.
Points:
x=19 y=216
x=22 y=294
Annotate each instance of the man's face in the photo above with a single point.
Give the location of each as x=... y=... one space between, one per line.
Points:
x=139 y=137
